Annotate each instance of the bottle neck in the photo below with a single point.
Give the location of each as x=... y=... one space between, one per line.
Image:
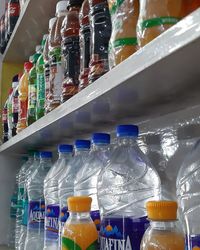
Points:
x=163 y=225
x=46 y=160
x=100 y=147
x=65 y=155
x=81 y=152
x=127 y=140
x=62 y=13
x=80 y=216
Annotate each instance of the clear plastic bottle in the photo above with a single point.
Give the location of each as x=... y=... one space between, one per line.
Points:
x=124 y=186
x=56 y=70
x=15 y=104
x=26 y=177
x=51 y=238
x=79 y=231
x=188 y=185
x=36 y=214
x=164 y=231
x=66 y=181
x=86 y=178
x=46 y=63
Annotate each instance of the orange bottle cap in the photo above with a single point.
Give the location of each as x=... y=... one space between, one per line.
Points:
x=162 y=210
x=79 y=204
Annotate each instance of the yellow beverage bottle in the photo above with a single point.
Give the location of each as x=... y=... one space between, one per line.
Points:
x=23 y=97
x=79 y=232
x=163 y=232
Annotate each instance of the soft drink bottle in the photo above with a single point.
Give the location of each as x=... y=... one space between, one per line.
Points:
x=124 y=186
x=51 y=197
x=86 y=177
x=40 y=83
x=23 y=97
x=15 y=107
x=32 y=91
x=36 y=204
x=13 y=15
x=66 y=181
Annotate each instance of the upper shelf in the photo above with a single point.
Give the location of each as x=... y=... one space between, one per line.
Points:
x=31 y=26
x=161 y=78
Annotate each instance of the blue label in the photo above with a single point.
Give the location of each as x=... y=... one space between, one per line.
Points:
x=51 y=222
x=193 y=242
x=25 y=213
x=36 y=215
x=64 y=214
x=122 y=233
x=95 y=215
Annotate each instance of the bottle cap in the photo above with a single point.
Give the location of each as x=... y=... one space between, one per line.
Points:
x=79 y=204
x=38 y=48
x=162 y=210
x=15 y=81
x=100 y=138
x=65 y=148
x=46 y=154
x=127 y=130
x=28 y=66
x=61 y=6
x=75 y=3
x=81 y=144
x=51 y=22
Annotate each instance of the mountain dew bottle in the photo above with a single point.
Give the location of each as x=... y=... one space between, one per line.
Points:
x=41 y=95
x=32 y=90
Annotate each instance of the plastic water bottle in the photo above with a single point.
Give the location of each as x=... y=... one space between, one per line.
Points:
x=21 y=195
x=51 y=239
x=188 y=186
x=27 y=175
x=36 y=213
x=66 y=181
x=124 y=186
x=86 y=178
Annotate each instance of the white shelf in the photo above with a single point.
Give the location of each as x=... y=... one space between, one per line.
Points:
x=145 y=86
x=31 y=26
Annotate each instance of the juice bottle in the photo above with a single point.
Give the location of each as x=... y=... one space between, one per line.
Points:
x=79 y=231
x=32 y=91
x=13 y=15
x=84 y=44
x=71 y=50
x=156 y=17
x=190 y=6
x=56 y=70
x=40 y=83
x=23 y=97
x=46 y=63
x=100 y=35
x=163 y=232
x=123 y=41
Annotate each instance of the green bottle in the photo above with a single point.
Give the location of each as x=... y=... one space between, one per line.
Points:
x=32 y=90
x=41 y=95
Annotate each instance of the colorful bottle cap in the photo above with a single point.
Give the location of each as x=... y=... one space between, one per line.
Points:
x=79 y=204
x=28 y=66
x=82 y=144
x=101 y=138
x=65 y=148
x=38 y=48
x=127 y=130
x=51 y=22
x=46 y=154
x=162 y=210
x=61 y=6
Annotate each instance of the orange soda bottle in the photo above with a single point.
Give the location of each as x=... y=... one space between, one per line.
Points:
x=79 y=232
x=163 y=232
x=23 y=97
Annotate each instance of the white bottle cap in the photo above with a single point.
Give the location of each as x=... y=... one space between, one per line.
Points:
x=51 y=22
x=38 y=48
x=61 y=6
x=14 y=84
x=45 y=36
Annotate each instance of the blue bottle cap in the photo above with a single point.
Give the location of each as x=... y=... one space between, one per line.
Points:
x=127 y=130
x=100 y=138
x=65 y=148
x=81 y=144
x=45 y=154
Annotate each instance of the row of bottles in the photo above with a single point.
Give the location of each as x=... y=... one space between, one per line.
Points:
x=121 y=181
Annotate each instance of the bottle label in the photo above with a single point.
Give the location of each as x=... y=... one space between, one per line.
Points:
x=36 y=215
x=15 y=104
x=70 y=244
x=52 y=222
x=122 y=233
x=23 y=110
x=95 y=215
x=13 y=9
x=21 y=191
x=40 y=90
x=5 y=115
x=32 y=96
x=64 y=214
x=159 y=21
x=193 y=242
x=25 y=212
x=56 y=78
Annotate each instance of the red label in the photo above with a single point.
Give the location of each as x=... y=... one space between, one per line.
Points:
x=13 y=9
x=5 y=115
x=23 y=110
x=15 y=105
